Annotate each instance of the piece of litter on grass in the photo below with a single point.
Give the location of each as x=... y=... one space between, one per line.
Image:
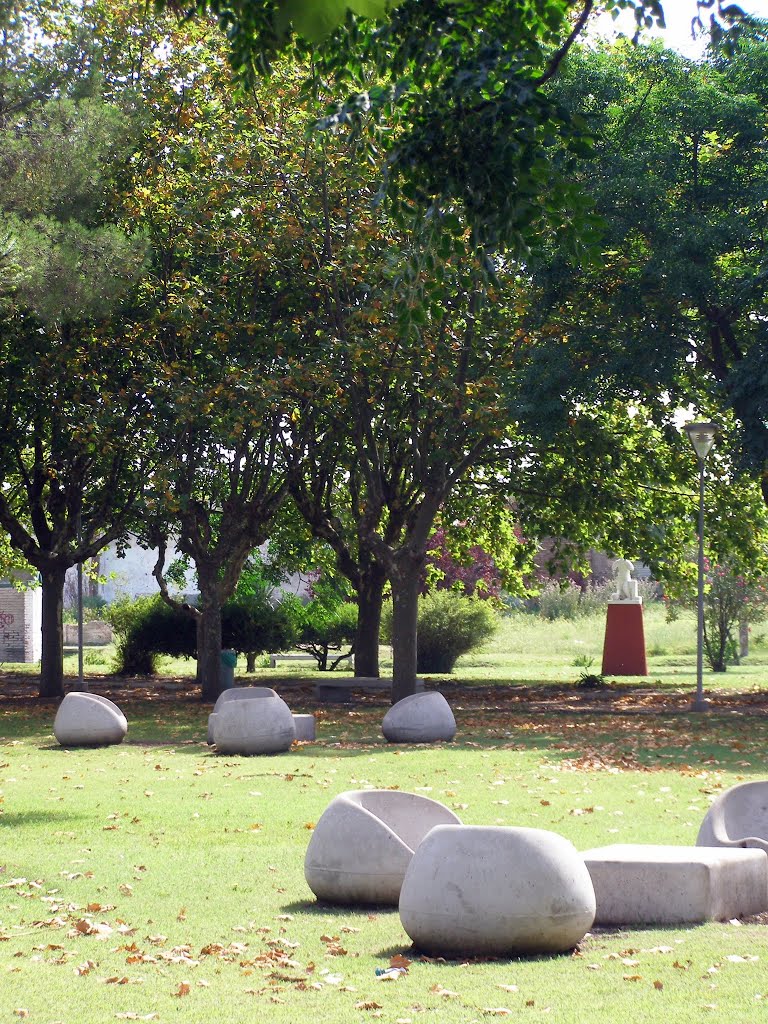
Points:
x=390 y=973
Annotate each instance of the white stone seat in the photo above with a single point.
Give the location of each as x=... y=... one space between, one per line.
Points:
x=420 y=718
x=259 y=724
x=236 y=693
x=364 y=841
x=738 y=818
x=475 y=889
x=89 y=720
x=639 y=884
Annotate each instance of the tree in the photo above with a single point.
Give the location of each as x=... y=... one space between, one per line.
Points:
x=213 y=303
x=678 y=301
x=327 y=622
x=265 y=24
x=730 y=598
x=465 y=79
x=70 y=393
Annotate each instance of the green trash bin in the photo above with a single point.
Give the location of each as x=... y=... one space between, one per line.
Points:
x=228 y=663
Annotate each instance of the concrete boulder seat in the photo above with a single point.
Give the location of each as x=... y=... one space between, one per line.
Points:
x=637 y=884
x=89 y=720
x=258 y=722
x=236 y=693
x=738 y=818
x=364 y=841
x=420 y=718
x=492 y=890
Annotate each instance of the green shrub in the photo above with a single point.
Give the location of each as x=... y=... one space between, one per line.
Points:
x=559 y=600
x=449 y=625
x=251 y=625
x=145 y=627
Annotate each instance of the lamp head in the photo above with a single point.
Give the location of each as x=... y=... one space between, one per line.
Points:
x=702 y=437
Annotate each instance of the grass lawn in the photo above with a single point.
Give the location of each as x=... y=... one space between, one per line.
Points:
x=159 y=881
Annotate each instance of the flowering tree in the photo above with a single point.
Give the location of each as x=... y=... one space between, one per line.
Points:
x=729 y=598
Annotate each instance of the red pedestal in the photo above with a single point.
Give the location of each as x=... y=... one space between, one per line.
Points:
x=624 y=646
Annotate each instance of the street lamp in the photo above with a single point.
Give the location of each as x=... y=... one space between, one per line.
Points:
x=702 y=437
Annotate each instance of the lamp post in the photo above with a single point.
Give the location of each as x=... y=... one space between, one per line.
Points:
x=702 y=437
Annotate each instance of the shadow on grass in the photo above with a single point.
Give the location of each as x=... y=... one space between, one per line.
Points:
x=320 y=908
x=13 y=819
x=462 y=959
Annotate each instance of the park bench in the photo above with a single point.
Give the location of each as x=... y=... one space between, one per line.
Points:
x=274 y=658
x=339 y=690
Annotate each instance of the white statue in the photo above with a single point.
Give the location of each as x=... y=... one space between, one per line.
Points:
x=626 y=587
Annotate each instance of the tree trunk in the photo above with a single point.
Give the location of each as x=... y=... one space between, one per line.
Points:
x=209 y=647
x=369 y=602
x=52 y=661
x=743 y=639
x=250 y=661
x=405 y=610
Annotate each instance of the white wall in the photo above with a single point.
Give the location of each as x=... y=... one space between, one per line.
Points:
x=131 y=575
x=21 y=619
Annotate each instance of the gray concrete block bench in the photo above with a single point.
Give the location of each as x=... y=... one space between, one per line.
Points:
x=639 y=884
x=339 y=690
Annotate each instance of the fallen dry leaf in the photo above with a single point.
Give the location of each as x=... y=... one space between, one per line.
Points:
x=21 y=1013
x=100 y=929
x=368 y=1005
x=508 y=988
x=658 y=985
x=183 y=989
x=444 y=992
x=398 y=960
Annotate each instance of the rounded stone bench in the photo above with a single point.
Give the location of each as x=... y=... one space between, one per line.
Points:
x=420 y=718
x=493 y=890
x=89 y=720
x=256 y=723
x=364 y=841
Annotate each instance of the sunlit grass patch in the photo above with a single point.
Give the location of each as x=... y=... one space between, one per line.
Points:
x=157 y=877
